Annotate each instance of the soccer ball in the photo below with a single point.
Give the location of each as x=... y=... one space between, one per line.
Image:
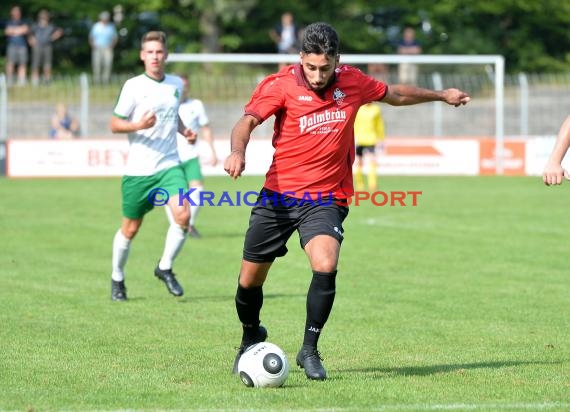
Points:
x=263 y=365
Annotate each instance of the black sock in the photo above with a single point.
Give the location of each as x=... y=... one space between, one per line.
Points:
x=320 y=299
x=248 y=305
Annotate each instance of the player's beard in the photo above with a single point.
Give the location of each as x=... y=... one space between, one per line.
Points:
x=324 y=85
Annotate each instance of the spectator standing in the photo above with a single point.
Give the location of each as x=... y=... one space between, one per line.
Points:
x=408 y=72
x=103 y=39
x=286 y=36
x=17 y=46
x=42 y=35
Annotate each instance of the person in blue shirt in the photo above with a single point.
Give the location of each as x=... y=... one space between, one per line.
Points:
x=63 y=124
x=102 y=39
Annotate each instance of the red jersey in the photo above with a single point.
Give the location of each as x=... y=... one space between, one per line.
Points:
x=313 y=132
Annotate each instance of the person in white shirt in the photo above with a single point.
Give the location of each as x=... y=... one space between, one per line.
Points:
x=147 y=110
x=194 y=116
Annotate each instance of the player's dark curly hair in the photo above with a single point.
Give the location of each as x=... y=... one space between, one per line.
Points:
x=320 y=38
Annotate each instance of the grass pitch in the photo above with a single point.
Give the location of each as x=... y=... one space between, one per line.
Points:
x=459 y=303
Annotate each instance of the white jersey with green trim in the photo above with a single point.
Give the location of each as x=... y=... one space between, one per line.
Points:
x=193 y=115
x=154 y=149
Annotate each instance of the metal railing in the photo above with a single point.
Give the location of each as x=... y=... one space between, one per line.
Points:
x=534 y=104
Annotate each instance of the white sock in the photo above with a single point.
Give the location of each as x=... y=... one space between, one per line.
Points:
x=121 y=246
x=169 y=215
x=195 y=196
x=175 y=238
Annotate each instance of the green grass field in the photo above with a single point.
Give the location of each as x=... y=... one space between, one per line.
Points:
x=459 y=303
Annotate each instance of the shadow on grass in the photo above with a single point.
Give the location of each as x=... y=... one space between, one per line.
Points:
x=217 y=235
x=220 y=298
x=440 y=369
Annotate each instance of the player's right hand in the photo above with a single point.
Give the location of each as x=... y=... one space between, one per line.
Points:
x=148 y=120
x=235 y=164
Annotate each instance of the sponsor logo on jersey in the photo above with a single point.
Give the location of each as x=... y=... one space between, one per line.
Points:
x=315 y=120
x=338 y=96
x=306 y=98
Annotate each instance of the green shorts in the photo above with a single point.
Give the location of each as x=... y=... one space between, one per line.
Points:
x=192 y=170
x=142 y=193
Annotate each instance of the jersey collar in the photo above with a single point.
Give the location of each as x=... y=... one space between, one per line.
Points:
x=156 y=80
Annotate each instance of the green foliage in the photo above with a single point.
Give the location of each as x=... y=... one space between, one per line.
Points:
x=532 y=35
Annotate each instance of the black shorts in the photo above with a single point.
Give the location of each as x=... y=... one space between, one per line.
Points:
x=275 y=217
x=360 y=150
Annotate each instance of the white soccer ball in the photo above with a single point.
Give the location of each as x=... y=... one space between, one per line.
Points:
x=263 y=365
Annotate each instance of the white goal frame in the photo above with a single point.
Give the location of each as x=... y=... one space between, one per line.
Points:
x=497 y=61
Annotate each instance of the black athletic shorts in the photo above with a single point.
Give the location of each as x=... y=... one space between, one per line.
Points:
x=360 y=150
x=275 y=217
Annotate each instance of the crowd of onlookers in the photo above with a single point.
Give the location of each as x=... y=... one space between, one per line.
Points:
x=31 y=44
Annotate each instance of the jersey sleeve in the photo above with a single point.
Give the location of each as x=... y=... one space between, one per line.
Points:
x=126 y=102
x=372 y=89
x=267 y=98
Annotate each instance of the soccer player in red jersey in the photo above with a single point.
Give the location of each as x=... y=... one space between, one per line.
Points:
x=310 y=179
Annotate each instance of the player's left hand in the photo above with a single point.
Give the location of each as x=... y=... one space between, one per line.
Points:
x=456 y=97
x=190 y=135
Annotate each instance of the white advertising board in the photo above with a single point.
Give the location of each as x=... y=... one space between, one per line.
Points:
x=99 y=158
x=92 y=158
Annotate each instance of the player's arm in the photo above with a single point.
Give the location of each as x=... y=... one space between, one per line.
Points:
x=122 y=125
x=554 y=172
x=241 y=133
x=208 y=137
x=405 y=95
x=189 y=134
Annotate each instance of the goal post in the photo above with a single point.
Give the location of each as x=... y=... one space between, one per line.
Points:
x=496 y=61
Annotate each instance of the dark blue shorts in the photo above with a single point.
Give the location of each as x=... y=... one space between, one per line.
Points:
x=275 y=217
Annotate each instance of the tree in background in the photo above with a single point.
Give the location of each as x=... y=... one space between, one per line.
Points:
x=532 y=35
